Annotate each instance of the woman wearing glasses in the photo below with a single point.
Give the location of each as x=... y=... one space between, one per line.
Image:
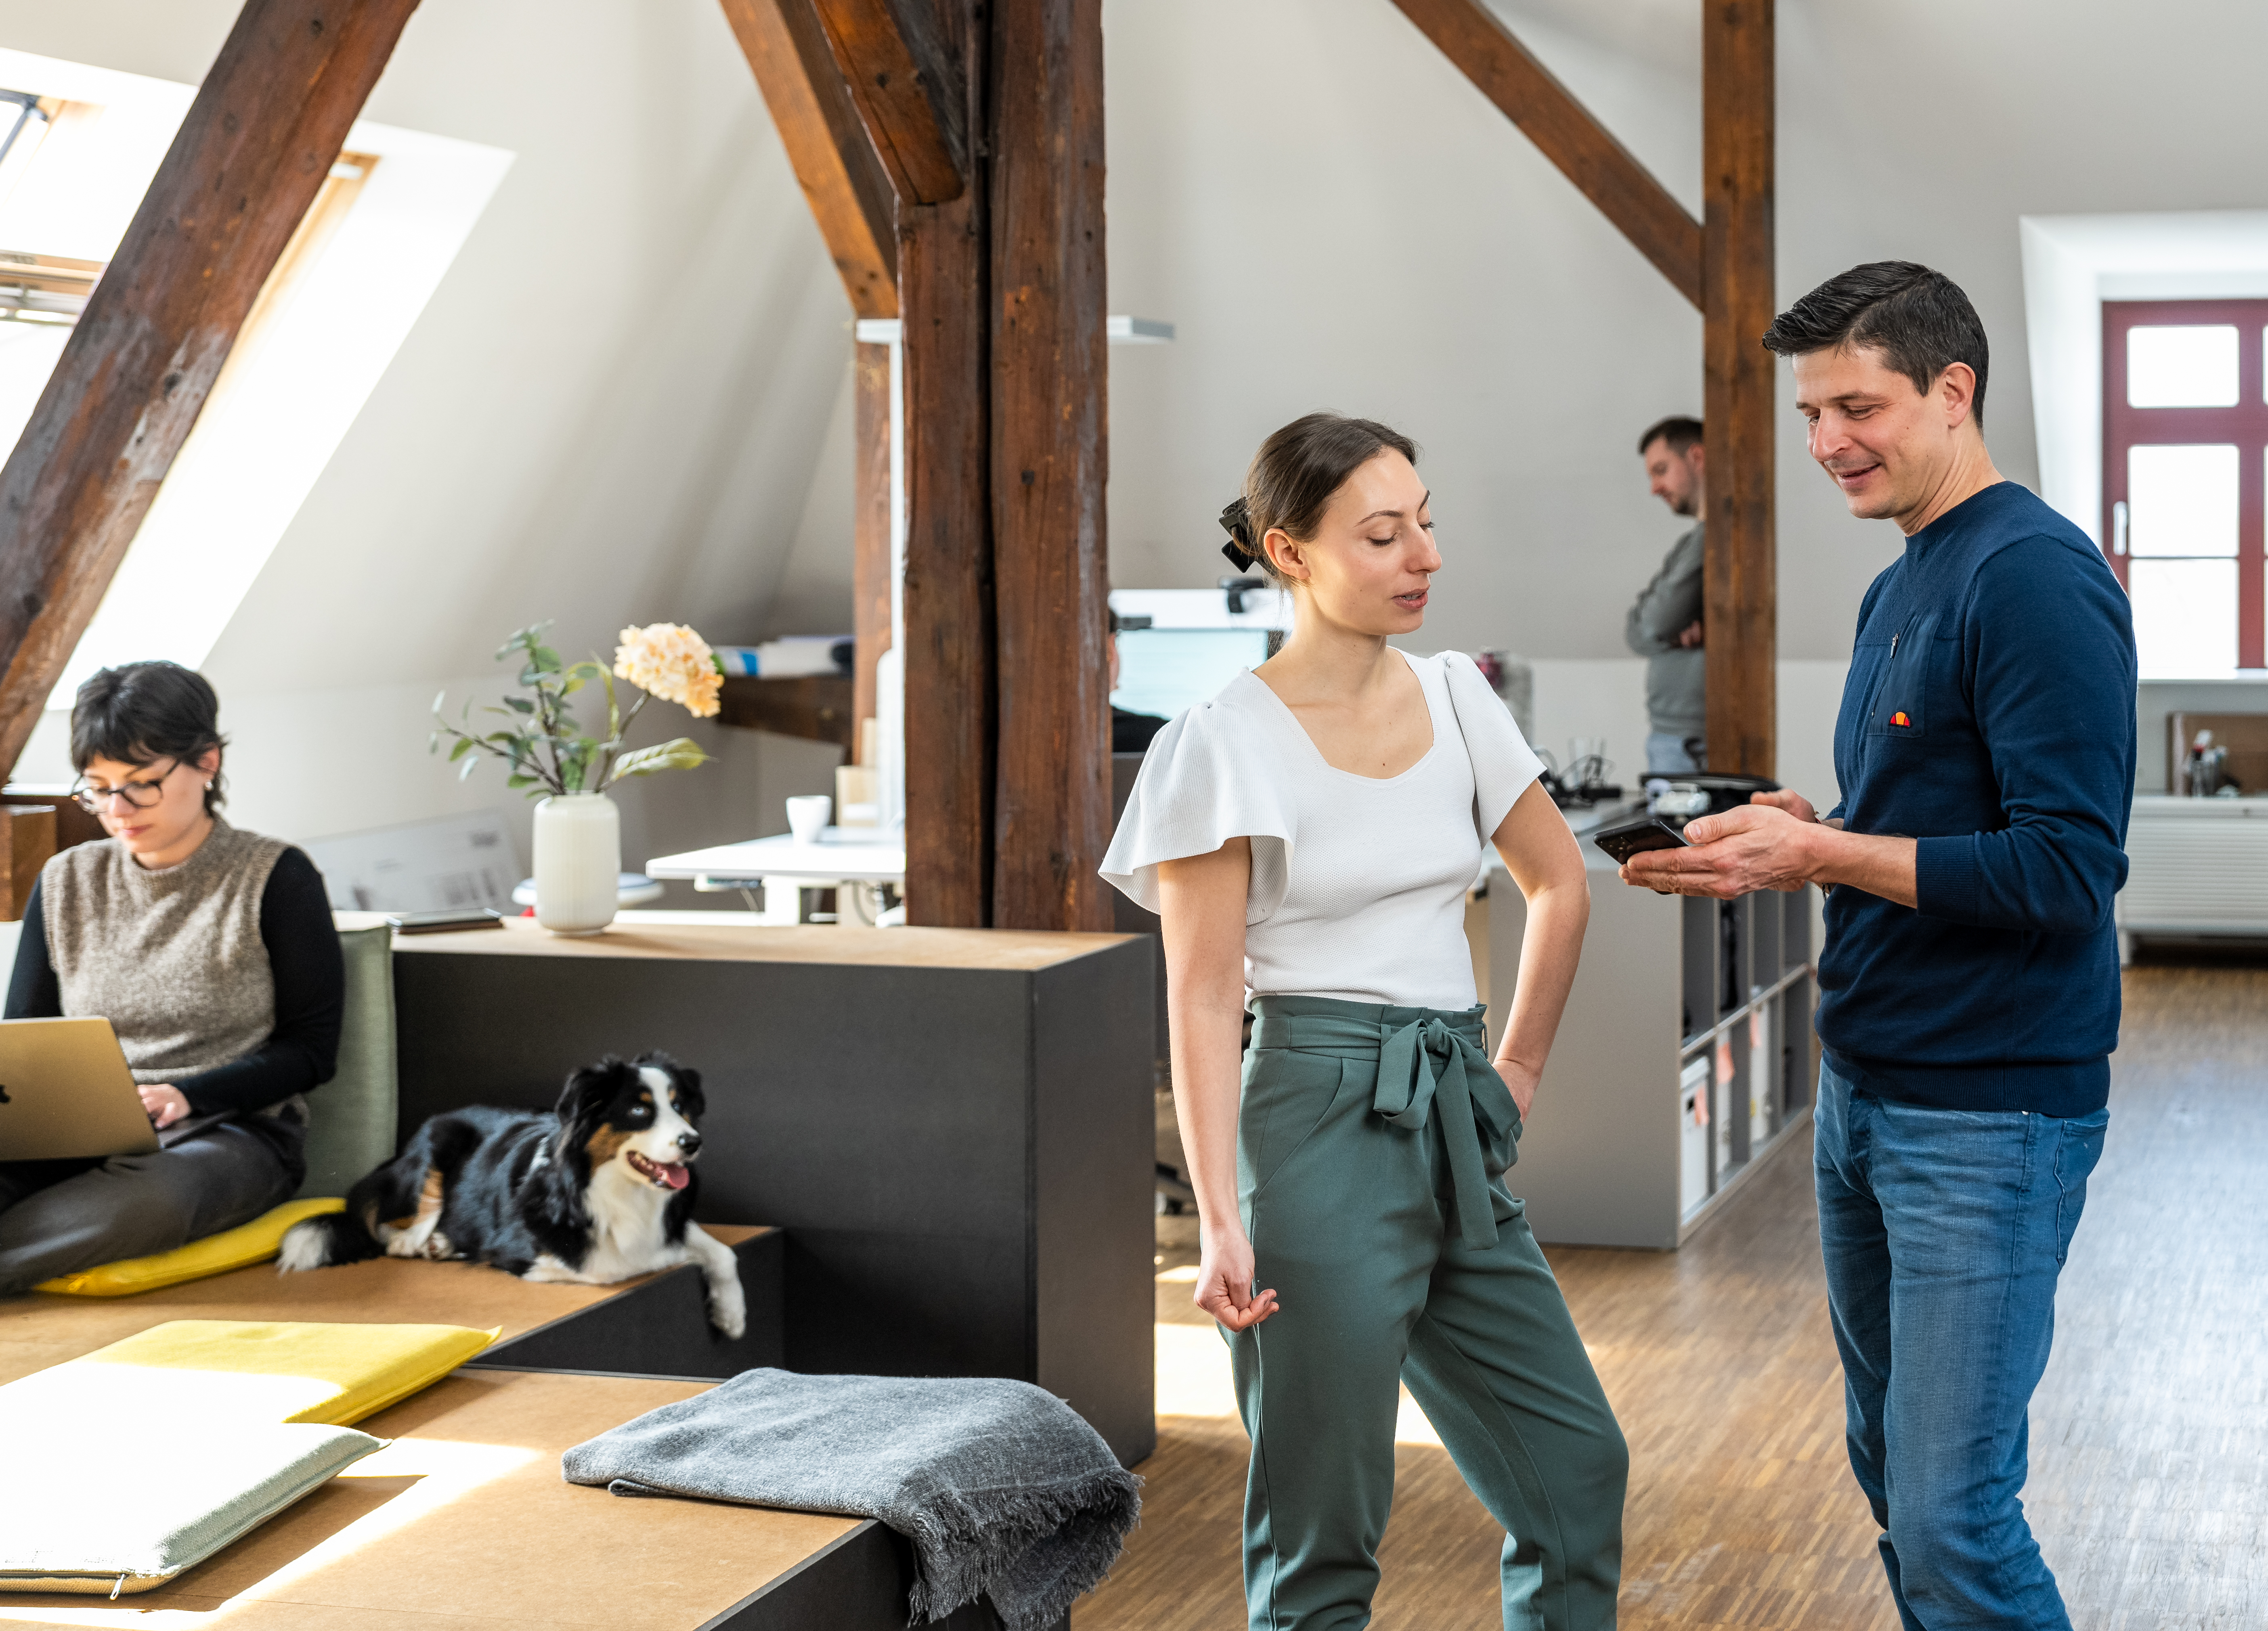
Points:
x=212 y=954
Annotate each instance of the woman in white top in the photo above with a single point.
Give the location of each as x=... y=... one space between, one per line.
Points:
x=1308 y=837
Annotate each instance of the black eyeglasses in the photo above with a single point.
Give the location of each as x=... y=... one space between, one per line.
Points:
x=137 y=795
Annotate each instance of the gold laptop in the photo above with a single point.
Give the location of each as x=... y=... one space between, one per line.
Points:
x=65 y=1090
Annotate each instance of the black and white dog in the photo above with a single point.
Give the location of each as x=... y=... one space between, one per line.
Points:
x=598 y=1190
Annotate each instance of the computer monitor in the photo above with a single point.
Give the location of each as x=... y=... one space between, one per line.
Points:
x=1165 y=671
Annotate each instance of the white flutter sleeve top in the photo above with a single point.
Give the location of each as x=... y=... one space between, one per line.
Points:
x=1358 y=882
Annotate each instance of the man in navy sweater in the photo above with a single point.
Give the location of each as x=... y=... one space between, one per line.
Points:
x=1969 y=980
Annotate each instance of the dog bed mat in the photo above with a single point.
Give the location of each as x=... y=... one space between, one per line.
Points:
x=248 y=1371
x=123 y=1505
x=239 y=1247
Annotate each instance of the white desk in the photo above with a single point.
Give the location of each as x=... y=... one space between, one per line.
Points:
x=782 y=867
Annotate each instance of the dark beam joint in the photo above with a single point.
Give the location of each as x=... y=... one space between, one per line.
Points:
x=910 y=91
x=851 y=196
x=1585 y=151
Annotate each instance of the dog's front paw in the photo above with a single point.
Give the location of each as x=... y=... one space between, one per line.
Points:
x=728 y=1311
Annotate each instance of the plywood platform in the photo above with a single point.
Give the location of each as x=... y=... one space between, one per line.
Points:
x=463 y=1521
x=40 y=1329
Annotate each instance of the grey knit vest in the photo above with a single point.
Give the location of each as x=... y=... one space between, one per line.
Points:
x=173 y=959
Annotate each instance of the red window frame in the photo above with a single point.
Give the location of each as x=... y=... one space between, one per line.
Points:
x=2246 y=425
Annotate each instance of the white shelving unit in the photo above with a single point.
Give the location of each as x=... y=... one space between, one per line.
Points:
x=1686 y=1054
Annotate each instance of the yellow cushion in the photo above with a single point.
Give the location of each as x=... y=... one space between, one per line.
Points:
x=247 y=1370
x=254 y=1242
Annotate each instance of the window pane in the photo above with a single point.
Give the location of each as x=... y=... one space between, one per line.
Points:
x=2182 y=367
x=2182 y=501
x=2184 y=618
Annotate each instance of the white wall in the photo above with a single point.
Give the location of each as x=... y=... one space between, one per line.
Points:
x=611 y=411
x=1335 y=218
x=628 y=399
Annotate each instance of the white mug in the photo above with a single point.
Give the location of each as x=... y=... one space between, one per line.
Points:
x=807 y=815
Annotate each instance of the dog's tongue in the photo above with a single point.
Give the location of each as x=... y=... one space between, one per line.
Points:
x=676 y=1174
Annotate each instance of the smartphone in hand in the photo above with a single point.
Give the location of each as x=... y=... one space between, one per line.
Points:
x=1634 y=837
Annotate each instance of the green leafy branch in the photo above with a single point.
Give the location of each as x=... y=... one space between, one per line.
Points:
x=542 y=742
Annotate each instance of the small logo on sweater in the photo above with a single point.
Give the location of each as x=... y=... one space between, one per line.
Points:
x=1899 y=718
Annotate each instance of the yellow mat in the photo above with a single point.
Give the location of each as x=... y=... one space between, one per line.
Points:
x=254 y=1242
x=245 y=1370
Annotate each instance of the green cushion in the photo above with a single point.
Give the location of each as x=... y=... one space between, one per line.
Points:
x=351 y=1116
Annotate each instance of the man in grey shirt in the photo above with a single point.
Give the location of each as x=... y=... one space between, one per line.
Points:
x=1665 y=625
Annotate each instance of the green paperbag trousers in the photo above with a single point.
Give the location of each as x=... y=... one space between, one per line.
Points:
x=1371 y=1149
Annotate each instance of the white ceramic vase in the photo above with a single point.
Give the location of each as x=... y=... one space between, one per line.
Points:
x=579 y=862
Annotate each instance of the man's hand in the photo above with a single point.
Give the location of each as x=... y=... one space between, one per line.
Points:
x=164 y=1104
x=1689 y=637
x=1769 y=845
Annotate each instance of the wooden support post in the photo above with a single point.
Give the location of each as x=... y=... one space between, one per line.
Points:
x=254 y=149
x=869 y=517
x=1049 y=459
x=1741 y=575
x=951 y=706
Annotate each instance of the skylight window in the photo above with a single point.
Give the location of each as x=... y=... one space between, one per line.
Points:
x=371 y=250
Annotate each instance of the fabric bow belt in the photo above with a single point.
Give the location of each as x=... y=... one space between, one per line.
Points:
x=1428 y=1061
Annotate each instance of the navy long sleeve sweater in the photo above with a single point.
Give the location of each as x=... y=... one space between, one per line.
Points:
x=1990 y=714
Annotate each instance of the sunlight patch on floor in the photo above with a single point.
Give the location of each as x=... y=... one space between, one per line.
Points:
x=1194 y=1380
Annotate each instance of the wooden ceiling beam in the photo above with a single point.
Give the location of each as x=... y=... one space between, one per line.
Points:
x=910 y=89
x=256 y=147
x=819 y=124
x=1547 y=113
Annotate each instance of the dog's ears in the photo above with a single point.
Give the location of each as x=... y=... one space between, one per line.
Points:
x=589 y=1092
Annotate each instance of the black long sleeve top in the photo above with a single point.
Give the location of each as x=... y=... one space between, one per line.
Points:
x=302 y=1051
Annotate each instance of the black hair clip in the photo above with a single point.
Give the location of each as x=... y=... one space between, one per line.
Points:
x=1236 y=519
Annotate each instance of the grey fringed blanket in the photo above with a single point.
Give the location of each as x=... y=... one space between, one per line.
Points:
x=1001 y=1487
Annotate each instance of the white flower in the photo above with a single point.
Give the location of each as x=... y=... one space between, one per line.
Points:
x=670 y=661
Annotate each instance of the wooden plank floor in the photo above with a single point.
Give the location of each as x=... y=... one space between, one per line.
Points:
x=2149 y=1488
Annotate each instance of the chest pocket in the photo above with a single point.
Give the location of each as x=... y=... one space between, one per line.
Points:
x=1901 y=706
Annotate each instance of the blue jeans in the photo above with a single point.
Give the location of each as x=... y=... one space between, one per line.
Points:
x=1943 y=1232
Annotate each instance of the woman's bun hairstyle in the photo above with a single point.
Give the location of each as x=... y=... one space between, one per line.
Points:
x=139 y=713
x=1293 y=477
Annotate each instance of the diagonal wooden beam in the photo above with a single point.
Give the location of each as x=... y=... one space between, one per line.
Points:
x=1741 y=576
x=261 y=137
x=819 y=124
x=910 y=90
x=1585 y=151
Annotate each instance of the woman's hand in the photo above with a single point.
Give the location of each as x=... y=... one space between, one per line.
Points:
x=164 y=1104
x=1521 y=1082
x=1225 y=1281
